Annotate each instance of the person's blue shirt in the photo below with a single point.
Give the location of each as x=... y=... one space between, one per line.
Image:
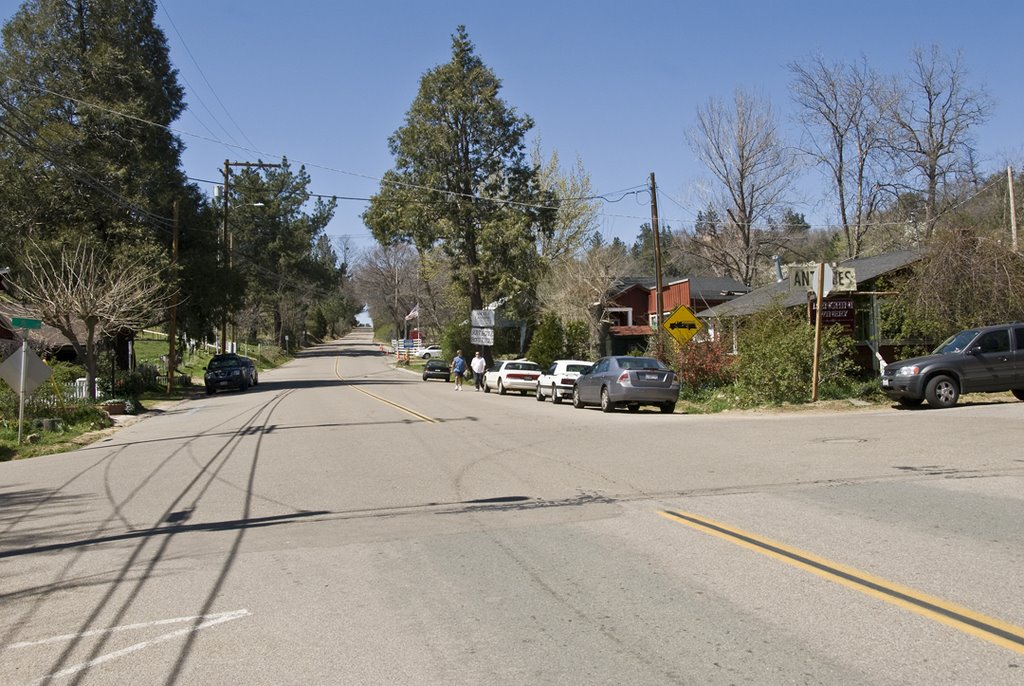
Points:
x=458 y=365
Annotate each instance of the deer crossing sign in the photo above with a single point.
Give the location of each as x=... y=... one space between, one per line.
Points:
x=682 y=324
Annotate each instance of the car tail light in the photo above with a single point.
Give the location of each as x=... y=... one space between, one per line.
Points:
x=624 y=378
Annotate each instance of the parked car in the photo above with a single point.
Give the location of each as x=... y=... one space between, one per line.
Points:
x=437 y=369
x=511 y=375
x=559 y=378
x=228 y=371
x=988 y=359
x=429 y=351
x=254 y=373
x=628 y=381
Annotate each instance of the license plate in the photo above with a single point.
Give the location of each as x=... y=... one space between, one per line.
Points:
x=651 y=377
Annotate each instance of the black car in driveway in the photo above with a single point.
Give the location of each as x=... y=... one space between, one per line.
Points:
x=989 y=359
x=437 y=369
x=229 y=371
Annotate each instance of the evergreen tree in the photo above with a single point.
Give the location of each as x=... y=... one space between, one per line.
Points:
x=87 y=93
x=462 y=180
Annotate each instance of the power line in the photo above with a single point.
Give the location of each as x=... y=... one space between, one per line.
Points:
x=207 y=81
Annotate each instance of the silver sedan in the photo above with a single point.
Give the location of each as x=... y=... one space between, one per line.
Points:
x=627 y=381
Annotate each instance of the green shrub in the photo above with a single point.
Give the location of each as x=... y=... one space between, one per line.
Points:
x=455 y=337
x=777 y=357
x=548 y=342
x=577 y=341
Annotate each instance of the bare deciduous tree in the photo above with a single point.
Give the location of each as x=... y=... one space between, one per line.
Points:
x=742 y=148
x=935 y=112
x=85 y=293
x=385 y=278
x=578 y=289
x=842 y=110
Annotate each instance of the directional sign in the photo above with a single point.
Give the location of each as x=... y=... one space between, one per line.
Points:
x=481 y=336
x=481 y=318
x=682 y=324
x=22 y=323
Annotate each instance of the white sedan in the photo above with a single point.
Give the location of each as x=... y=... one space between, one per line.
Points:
x=429 y=351
x=558 y=380
x=511 y=375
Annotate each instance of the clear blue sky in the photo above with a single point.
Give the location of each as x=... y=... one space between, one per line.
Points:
x=326 y=82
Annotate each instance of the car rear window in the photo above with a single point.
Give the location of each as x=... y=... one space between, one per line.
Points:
x=523 y=366
x=577 y=367
x=225 y=363
x=640 y=363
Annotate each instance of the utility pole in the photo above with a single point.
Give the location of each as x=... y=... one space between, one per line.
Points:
x=655 y=232
x=1013 y=210
x=227 y=236
x=172 y=327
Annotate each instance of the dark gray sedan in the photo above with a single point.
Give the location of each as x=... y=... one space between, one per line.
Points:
x=627 y=381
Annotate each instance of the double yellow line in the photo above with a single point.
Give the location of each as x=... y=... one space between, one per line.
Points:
x=976 y=624
x=414 y=413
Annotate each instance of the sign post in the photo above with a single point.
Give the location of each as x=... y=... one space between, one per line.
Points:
x=25 y=370
x=820 y=291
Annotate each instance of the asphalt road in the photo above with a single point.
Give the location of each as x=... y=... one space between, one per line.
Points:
x=346 y=523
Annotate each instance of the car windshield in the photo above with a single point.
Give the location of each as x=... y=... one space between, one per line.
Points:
x=523 y=366
x=224 y=363
x=640 y=363
x=956 y=343
x=436 y=364
x=577 y=367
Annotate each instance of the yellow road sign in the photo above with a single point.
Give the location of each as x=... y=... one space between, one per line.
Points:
x=682 y=324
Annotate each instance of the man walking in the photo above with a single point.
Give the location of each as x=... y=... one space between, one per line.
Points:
x=479 y=366
x=458 y=369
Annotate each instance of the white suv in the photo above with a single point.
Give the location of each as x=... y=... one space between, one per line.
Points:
x=557 y=381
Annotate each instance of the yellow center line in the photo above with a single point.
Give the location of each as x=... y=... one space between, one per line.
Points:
x=414 y=413
x=963 y=619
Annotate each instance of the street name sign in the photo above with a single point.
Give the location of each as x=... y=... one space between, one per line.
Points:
x=23 y=323
x=682 y=324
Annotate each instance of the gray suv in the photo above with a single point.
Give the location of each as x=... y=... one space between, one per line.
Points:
x=988 y=359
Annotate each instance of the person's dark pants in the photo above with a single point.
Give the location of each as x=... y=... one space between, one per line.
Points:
x=478 y=378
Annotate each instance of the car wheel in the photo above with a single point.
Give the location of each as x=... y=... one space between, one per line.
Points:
x=1018 y=393
x=425 y=356
x=667 y=407
x=487 y=389
x=424 y=377
x=448 y=379
x=942 y=391
x=209 y=390
x=910 y=402
x=501 y=388
x=540 y=394
x=555 y=397
x=606 y=402
x=576 y=401
x=244 y=386
x=633 y=407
